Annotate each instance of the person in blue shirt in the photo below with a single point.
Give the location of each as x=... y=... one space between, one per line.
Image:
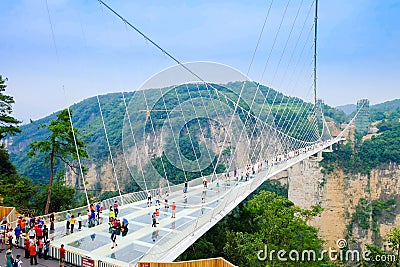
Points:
x=124 y=227
x=17 y=232
x=93 y=216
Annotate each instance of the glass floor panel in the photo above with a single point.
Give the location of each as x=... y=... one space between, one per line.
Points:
x=91 y=242
x=154 y=236
x=129 y=253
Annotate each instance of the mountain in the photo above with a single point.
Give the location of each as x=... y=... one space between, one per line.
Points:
x=153 y=116
x=348 y=109
x=387 y=105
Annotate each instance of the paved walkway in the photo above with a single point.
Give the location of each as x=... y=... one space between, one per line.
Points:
x=26 y=262
x=201 y=206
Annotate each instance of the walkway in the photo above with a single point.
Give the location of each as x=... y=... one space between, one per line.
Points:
x=172 y=235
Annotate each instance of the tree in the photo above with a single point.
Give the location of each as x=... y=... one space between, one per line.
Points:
x=394 y=241
x=8 y=124
x=62 y=197
x=274 y=221
x=59 y=145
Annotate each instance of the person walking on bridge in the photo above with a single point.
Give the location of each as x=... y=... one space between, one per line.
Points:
x=114 y=237
x=173 y=208
x=148 y=199
x=116 y=210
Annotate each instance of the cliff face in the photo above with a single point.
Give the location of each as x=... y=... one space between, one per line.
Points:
x=360 y=208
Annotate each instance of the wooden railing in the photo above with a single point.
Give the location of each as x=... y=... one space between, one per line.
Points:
x=217 y=262
x=8 y=213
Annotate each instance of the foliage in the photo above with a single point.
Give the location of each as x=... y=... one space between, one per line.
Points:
x=362 y=214
x=367 y=212
x=8 y=124
x=393 y=238
x=266 y=219
x=361 y=157
x=6 y=167
x=62 y=144
x=62 y=197
x=376 y=253
x=18 y=191
x=271 y=186
x=89 y=121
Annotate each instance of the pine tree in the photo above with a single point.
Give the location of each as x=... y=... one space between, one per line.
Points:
x=59 y=145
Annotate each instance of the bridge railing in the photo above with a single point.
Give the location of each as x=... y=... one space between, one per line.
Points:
x=236 y=194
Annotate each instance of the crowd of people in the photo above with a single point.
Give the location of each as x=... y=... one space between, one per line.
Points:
x=31 y=233
x=35 y=233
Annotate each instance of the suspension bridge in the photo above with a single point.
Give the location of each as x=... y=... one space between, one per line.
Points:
x=206 y=122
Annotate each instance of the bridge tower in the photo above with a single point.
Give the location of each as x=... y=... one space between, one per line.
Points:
x=362 y=120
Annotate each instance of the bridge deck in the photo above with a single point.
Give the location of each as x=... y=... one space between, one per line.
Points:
x=172 y=235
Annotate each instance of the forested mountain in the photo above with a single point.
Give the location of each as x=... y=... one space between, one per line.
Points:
x=86 y=117
x=385 y=110
x=348 y=109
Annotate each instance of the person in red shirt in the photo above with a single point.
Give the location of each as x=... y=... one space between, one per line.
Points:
x=26 y=247
x=62 y=256
x=173 y=207
x=32 y=253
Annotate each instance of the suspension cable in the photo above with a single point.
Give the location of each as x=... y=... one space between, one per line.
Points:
x=109 y=150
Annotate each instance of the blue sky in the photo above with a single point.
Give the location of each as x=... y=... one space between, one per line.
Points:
x=95 y=53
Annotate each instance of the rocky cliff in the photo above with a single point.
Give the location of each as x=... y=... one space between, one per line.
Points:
x=359 y=208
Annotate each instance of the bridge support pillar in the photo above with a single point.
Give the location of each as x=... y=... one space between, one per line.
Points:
x=319 y=156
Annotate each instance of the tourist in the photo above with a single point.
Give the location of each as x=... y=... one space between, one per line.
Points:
x=62 y=256
x=124 y=227
x=52 y=221
x=173 y=208
x=27 y=243
x=158 y=200
x=46 y=249
x=93 y=217
x=89 y=215
x=40 y=245
x=72 y=221
x=205 y=182
x=32 y=233
x=148 y=199
x=166 y=201
x=10 y=238
x=154 y=219
x=32 y=253
x=39 y=231
x=45 y=233
x=18 y=261
x=157 y=215
x=8 y=258
x=67 y=217
x=114 y=237
x=111 y=215
x=116 y=210
x=79 y=221
x=17 y=232
x=99 y=209
x=185 y=191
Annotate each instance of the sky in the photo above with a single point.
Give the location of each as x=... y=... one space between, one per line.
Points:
x=58 y=52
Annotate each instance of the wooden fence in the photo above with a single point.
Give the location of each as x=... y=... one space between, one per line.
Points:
x=8 y=213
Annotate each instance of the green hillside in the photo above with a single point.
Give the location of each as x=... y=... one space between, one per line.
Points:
x=383 y=110
x=86 y=117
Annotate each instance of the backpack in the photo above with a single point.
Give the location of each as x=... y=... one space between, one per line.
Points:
x=15 y=263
